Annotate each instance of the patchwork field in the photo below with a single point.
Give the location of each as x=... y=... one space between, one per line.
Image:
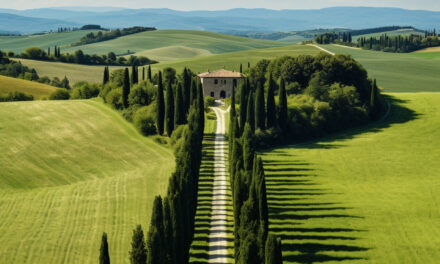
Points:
x=18 y=44
x=185 y=43
x=70 y=171
x=38 y=90
x=397 y=72
x=369 y=195
x=230 y=61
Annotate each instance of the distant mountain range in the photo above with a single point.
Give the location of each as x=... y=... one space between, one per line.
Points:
x=227 y=21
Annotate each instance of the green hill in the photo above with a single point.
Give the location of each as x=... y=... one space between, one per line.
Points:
x=365 y=196
x=397 y=72
x=18 y=44
x=71 y=170
x=38 y=90
x=184 y=43
x=403 y=32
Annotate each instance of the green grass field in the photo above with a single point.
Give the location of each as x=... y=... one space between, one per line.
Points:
x=230 y=61
x=166 y=45
x=397 y=72
x=71 y=170
x=369 y=195
x=38 y=90
x=18 y=44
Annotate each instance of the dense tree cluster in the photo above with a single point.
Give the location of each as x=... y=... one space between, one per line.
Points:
x=78 y=57
x=316 y=95
x=327 y=38
x=399 y=43
x=251 y=218
x=103 y=36
x=16 y=96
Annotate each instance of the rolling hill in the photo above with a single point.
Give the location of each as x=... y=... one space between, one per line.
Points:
x=38 y=90
x=70 y=171
x=18 y=44
x=23 y=24
x=369 y=195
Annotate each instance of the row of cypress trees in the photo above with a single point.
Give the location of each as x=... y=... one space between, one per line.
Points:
x=253 y=243
x=172 y=221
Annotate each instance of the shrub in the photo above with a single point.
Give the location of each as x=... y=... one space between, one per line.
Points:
x=60 y=94
x=16 y=96
x=144 y=121
x=138 y=96
x=84 y=90
x=114 y=98
x=209 y=101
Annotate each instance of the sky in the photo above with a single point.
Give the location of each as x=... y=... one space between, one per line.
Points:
x=433 y=5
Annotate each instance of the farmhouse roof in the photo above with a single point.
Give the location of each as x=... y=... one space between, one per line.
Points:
x=221 y=74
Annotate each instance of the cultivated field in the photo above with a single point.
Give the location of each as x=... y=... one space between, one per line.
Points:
x=162 y=44
x=70 y=171
x=230 y=61
x=364 y=196
x=397 y=72
x=18 y=44
x=38 y=90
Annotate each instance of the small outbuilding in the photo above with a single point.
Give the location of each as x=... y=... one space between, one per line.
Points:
x=218 y=84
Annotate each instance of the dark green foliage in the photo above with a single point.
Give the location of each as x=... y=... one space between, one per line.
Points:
x=149 y=73
x=168 y=231
x=65 y=83
x=169 y=75
x=200 y=104
x=282 y=114
x=250 y=115
x=138 y=252
x=60 y=94
x=186 y=92
x=143 y=73
x=373 y=95
x=169 y=110
x=160 y=106
x=134 y=74
x=104 y=257
x=233 y=112
x=108 y=35
x=106 y=77
x=156 y=242
x=84 y=90
x=273 y=250
x=243 y=103
x=16 y=96
x=248 y=147
x=193 y=92
x=126 y=88
x=271 y=108
x=241 y=68
x=179 y=110
x=143 y=120
x=260 y=112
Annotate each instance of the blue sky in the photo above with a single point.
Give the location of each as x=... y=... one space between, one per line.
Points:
x=223 y=4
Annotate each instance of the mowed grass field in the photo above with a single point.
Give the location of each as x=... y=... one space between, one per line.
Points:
x=164 y=45
x=397 y=72
x=230 y=61
x=370 y=195
x=19 y=44
x=38 y=90
x=71 y=170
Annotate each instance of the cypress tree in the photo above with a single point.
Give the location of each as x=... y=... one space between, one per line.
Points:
x=373 y=95
x=106 y=76
x=200 y=105
x=160 y=106
x=193 y=92
x=143 y=73
x=168 y=231
x=282 y=115
x=149 y=73
x=233 y=112
x=104 y=257
x=126 y=88
x=248 y=147
x=48 y=51
x=156 y=243
x=241 y=68
x=179 y=111
x=271 y=109
x=138 y=252
x=273 y=250
x=260 y=113
x=243 y=104
x=169 y=110
x=186 y=92
x=250 y=116
x=134 y=74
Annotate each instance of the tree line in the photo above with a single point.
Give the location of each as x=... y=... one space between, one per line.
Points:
x=399 y=43
x=252 y=241
x=103 y=36
x=172 y=221
x=79 y=57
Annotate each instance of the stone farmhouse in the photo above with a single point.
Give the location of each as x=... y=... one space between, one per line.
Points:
x=218 y=84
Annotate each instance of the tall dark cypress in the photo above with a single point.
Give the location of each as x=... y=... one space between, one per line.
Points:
x=106 y=75
x=273 y=250
x=134 y=74
x=248 y=148
x=179 y=111
x=104 y=257
x=169 y=110
x=233 y=111
x=260 y=112
x=143 y=73
x=160 y=106
x=373 y=95
x=156 y=243
x=250 y=114
x=149 y=73
x=200 y=103
x=243 y=104
x=138 y=252
x=126 y=88
x=271 y=108
x=193 y=92
x=186 y=90
x=241 y=68
x=282 y=115
x=168 y=231
x=48 y=52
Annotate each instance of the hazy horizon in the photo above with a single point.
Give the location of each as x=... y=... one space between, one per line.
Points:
x=194 y=5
